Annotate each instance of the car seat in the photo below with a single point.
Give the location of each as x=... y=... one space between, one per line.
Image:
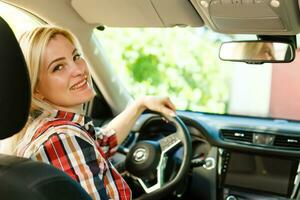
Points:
x=22 y=178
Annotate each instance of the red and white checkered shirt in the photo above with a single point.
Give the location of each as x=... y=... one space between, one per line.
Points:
x=71 y=143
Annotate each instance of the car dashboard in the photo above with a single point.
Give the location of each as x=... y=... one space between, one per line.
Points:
x=249 y=158
x=245 y=157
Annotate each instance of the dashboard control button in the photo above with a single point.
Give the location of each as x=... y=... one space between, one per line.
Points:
x=210 y=163
x=231 y=197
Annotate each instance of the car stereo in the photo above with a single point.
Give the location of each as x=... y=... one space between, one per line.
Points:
x=259 y=173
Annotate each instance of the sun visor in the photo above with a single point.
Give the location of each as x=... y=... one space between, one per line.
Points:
x=265 y=17
x=138 y=13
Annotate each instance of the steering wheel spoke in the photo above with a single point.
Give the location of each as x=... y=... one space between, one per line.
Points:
x=166 y=144
x=169 y=142
x=159 y=177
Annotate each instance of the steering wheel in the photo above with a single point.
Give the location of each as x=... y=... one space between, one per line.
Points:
x=148 y=158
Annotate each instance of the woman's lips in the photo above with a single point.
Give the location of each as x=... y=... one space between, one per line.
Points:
x=80 y=84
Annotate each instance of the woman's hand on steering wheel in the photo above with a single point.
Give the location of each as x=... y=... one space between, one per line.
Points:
x=158 y=104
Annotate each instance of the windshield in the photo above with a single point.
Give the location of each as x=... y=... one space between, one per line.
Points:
x=183 y=63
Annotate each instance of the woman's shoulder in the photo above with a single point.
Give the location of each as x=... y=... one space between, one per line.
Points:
x=51 y=124
x=55 y=118
x=46 y=123
x=43 y=129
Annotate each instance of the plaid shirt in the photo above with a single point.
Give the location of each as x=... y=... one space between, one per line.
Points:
x=71 y=143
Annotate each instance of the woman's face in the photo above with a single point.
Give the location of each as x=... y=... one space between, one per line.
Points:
x=266 y=52
x=63 y=75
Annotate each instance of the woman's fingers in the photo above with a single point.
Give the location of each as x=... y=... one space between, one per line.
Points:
x=160 y=104
x=170 y=104
x=168 y=111
x=167 y=107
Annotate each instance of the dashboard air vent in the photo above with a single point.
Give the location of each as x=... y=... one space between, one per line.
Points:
x=287 y=141
x=241 y=136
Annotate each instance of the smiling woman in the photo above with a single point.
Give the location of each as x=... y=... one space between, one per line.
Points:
x=178 y=58
x=57 y=132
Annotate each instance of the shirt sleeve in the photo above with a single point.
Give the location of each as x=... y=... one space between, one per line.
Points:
x=79 y=159
x=107 y=140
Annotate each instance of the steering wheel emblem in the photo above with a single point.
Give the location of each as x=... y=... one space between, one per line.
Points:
x=140 y=155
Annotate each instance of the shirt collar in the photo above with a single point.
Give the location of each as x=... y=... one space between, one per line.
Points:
x=80 y=119
x=68 y=116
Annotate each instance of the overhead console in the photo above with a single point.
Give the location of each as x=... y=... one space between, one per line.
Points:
x=138 y=13
x=264 y=17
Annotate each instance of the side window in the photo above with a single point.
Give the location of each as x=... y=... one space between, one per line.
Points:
x=18 y=19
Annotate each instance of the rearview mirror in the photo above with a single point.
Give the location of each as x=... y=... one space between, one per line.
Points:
x=257 y=52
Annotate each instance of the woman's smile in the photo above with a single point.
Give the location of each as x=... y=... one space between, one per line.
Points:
x=82 y=84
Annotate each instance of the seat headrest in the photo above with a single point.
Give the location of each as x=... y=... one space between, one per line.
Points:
x=15 y=95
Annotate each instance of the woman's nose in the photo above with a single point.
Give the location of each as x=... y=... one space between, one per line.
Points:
x=77 y=69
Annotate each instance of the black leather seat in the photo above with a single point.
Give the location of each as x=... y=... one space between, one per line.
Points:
x=22 y=178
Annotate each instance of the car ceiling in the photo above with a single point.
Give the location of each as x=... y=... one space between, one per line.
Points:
x=138 y=13
x=264 y=17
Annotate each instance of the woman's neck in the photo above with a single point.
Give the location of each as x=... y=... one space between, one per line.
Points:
x=74 y=109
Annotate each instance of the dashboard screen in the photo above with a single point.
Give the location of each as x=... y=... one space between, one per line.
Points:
x=262 y=173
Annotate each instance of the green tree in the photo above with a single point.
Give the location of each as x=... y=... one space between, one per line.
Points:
x=179 y=62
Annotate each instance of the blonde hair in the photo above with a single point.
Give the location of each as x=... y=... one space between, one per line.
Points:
x=33 y=44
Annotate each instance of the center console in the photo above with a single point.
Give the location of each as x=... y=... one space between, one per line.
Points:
x=244 y=176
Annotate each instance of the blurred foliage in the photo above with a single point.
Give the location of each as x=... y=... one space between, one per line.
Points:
x=181 y=63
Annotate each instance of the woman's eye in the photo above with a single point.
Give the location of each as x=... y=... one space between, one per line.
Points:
x=77 y=57
x=57 y=68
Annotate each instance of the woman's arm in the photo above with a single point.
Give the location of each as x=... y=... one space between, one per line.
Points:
x=124 y=122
